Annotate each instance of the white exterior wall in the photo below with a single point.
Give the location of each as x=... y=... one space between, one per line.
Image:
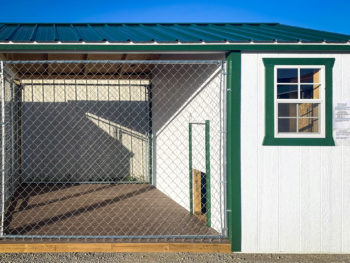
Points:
x=181 y=95
x=294 y=199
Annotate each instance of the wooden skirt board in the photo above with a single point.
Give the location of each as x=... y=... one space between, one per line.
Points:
x=114 y=247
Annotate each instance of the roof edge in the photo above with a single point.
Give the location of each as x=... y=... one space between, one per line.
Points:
x=7 y=48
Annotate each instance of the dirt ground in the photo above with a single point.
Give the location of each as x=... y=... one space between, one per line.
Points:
x=173 y=257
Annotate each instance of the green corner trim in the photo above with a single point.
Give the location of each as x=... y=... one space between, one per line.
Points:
x=269 y=139
x=207 y=171
x=233 y=149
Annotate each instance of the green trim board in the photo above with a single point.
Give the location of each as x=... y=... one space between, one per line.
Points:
x=270 y=139
x=174 y=48
x=233 y=150
x=207 y=168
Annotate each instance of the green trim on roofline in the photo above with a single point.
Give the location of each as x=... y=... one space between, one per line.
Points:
x=270 y=139
x=233 y=150
x=178 y=47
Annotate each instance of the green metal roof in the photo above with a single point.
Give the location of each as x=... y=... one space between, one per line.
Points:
x=164 y=33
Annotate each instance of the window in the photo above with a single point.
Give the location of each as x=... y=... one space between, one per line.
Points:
x=298 y=101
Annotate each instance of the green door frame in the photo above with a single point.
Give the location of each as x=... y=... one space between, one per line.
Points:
x=233 y=149
x=207 y=168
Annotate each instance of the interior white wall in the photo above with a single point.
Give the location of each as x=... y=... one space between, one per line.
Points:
x=184 y=94
x=87 y=119
x=294 y=199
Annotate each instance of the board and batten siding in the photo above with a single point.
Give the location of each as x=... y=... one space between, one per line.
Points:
x=294 y=198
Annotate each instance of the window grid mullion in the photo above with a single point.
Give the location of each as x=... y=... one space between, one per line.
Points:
x=284 y=117
x=297 y=121
x=291 y=83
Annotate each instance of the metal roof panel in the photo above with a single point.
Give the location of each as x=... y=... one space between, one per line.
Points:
x=165 y=32
x=45 y=33
x=24 y=33
x=66 y=33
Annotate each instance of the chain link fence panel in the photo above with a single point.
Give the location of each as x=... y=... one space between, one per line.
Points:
x=113 y=149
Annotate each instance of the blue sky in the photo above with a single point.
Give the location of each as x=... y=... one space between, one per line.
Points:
x=322 y=14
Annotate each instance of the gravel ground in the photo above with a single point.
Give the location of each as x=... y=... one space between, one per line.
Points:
x=171 y=257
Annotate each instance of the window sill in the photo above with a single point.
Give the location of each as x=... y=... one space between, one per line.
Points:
x=328 y=141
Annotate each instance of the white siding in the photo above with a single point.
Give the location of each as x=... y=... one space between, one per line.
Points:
x=294 y=199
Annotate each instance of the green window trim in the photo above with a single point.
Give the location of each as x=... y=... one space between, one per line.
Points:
x=270 y=139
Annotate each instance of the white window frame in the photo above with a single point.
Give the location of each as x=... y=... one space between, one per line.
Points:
x=321 y=101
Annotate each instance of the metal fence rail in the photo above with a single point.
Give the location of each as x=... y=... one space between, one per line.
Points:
x=102 y=149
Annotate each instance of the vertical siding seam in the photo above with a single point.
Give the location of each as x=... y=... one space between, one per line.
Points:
x=342 y=161
x=321 y=184
x=257 y=61
x=300 y=185
x=278 y=197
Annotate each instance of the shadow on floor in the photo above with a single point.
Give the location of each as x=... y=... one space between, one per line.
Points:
x=98 y=210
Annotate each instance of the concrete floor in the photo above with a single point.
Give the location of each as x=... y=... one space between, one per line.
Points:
x=98 y=210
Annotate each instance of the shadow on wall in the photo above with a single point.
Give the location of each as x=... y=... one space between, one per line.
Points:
x=93 y=140
x=174 y=88
x=84 y=141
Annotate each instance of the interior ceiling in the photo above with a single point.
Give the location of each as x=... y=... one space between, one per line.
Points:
x=78 y=56
x=93 y=71
x=81 y=70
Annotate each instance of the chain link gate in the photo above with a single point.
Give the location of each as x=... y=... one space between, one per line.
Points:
x=113 y=149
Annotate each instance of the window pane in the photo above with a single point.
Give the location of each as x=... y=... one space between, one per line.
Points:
x=287 y=125
x=308 y=110
x=287 y=110
x=308 y=125
x=309 y=91
x=287 y=75
x=287 y=91
x=310 y=75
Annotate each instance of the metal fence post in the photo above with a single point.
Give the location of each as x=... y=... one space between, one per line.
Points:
x=190 y=165
x=207 y=170
x=3 y=144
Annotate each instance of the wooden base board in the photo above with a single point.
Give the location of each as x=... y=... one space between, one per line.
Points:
x=114 y=247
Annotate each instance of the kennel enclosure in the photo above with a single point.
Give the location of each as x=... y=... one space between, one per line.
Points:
x=205 y=132
x=100 y=149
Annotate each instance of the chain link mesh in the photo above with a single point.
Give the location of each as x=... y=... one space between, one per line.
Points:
x=113 y=149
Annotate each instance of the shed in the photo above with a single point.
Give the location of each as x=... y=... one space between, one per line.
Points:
x=174 y=136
